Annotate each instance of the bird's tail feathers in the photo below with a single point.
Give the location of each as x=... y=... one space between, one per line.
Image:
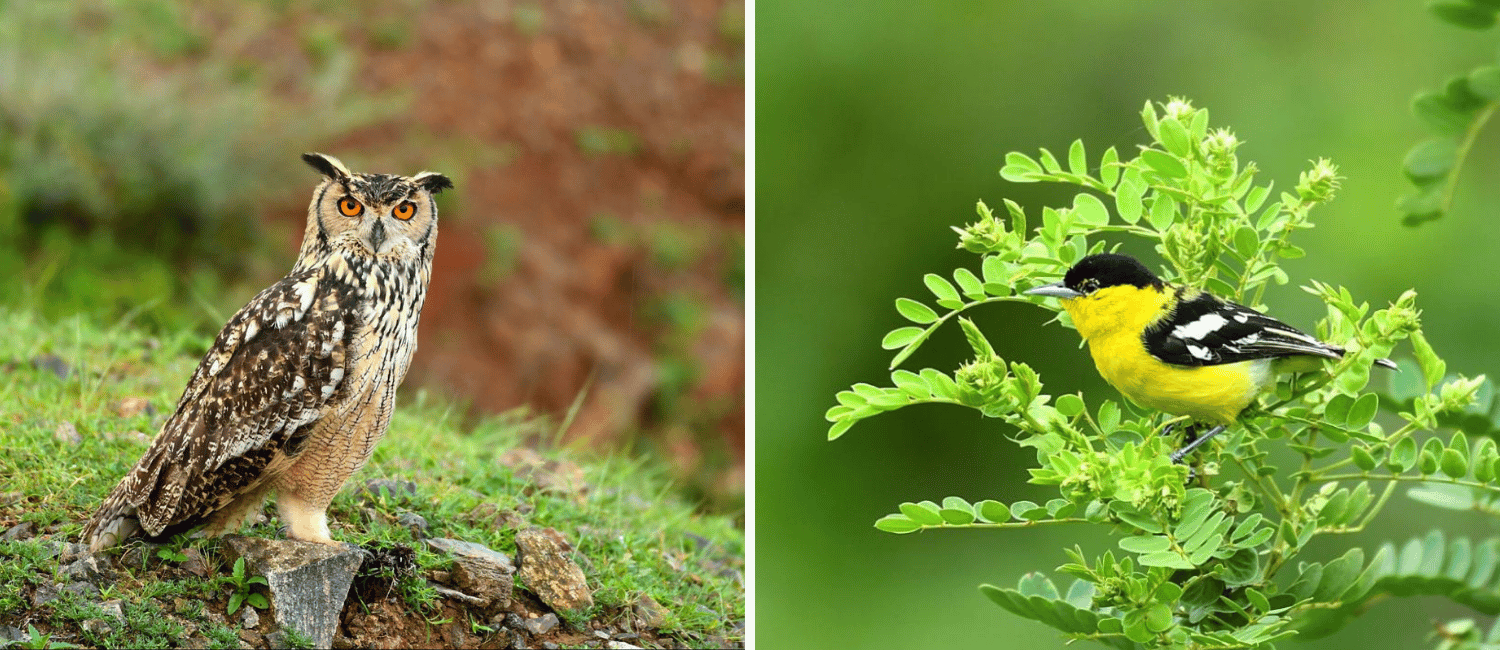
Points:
x=115 y=522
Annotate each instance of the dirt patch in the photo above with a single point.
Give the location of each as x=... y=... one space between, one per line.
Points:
x=599 y=223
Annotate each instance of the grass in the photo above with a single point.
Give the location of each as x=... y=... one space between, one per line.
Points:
x=633 y=532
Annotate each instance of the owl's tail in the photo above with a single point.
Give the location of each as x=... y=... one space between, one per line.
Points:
x=114 y=522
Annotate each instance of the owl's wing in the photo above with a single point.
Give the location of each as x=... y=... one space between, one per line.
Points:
x=250 y=403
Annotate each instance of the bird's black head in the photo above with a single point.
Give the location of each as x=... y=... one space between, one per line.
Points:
x=1104 y=270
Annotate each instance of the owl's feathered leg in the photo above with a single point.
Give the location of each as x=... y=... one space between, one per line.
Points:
x=306 y=519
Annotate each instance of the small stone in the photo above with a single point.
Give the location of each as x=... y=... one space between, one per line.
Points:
x=414 y=522
x=517 y=641
x=81 y=588
x=114 y=609
x=253 y=638
x=97 y=626
x=548 y=645
x=7 y=498
x=88 y=568
x=67 y=433
x=514 y=622
x=249 y=618
x=547 y=570
x=277 y=639
x=601 y=634
x=649 y=612
x=53 y=363
x=194 y=563
x=541 y=624
x=479 y=570
x=457 y=595
x=620 y=645
x=44 y=594
x=22 y=531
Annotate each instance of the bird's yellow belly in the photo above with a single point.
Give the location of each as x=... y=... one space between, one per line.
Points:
x=1208 y=393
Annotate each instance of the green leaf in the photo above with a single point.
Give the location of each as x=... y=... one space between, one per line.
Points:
x=897 y=524
x=1078 y=160
x=1049 y=161
x=1128 y=199
x=1163 y=212
x=924 y=513
x=1174 y=136
x=1454 y=463
x=957 y=516
x=1362 y=458
x=257 y=601
x=940 y=287
x=1070 y=405
x=1019 y=168
x=900 y=337
x=1159 y=618
x=1435 y=109
x=1461 y=13
x=1109 y=170
x=1337 y=411
x=1430 y=160
x=235 y=600
x=992 y=511
x=1246 y=242
x=1363 y=411
x=971 y=286
x=1403 y=455
x=1089 y=210
x=1485 y=82
x=840 y=428
x=1145 y=544
x=1443 y=495
x=1167 y=559
x=1163 y=163
x=915 y=312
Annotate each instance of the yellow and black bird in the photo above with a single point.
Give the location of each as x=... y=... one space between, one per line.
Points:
x=1176 y=349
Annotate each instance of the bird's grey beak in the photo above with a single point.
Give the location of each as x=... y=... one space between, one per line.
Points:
x=1054 y=290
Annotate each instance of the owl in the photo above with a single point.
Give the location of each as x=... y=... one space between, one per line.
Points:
x=299 y=386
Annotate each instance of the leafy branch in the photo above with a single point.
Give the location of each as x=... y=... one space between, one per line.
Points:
x=1213 y=558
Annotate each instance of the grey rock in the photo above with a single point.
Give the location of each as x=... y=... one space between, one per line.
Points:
x=479 y=570
x=601 y=634
x=53 y=363
x=44 y=594
x=541 y=624
x=66 y=433
x=517 y=641
x=114 y=609
x=514 y=622
x=97 y=626
x=253 y=638
x=413 y=521
x=88 y=568
x=22 y=531
x=547 y=570
x=65 y=552
x=620 y=645
x=81 y=588
x=548 y=645
x=308 y=582
x=249 y=618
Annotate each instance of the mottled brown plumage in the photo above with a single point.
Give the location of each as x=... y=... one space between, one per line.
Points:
x=299 y=385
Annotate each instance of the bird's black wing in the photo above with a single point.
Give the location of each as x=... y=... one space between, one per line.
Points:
x=1202 y=330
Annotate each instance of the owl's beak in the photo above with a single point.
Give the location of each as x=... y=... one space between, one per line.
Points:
x=377 y=235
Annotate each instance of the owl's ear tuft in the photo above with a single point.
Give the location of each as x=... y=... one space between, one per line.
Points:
x=433 y=182
x=327 y=165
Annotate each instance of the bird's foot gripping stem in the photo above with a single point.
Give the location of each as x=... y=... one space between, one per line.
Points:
x=1178 y=455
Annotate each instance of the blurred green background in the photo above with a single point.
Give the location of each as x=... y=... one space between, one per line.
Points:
x=878 y=126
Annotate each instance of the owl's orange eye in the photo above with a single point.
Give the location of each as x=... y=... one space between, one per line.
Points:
x=350 y=207
x=404 y=211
